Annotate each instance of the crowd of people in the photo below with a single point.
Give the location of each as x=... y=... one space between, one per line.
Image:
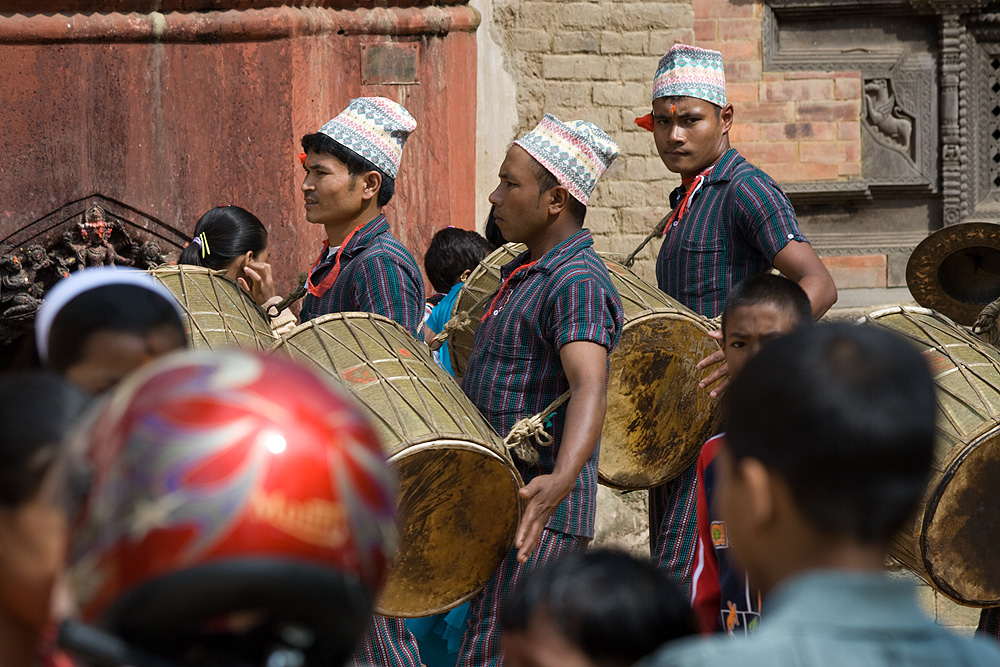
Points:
x=769 y=549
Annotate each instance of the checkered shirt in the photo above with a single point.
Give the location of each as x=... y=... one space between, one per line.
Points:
x=736 y=224
x=515 y=371
x=377 y=275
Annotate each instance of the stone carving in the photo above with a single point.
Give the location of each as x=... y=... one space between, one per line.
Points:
x=882 y=112
x=28 y=272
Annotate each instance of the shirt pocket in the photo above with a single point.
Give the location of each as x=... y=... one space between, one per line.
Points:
x=706 y=266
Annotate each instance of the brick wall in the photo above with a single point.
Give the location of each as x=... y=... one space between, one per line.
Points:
x=596 y=60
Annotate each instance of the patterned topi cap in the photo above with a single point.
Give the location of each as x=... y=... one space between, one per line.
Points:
x=575 y=152
x=375 y=128
x=689 y=71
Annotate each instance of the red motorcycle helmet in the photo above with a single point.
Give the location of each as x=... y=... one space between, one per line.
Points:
x=240 y=506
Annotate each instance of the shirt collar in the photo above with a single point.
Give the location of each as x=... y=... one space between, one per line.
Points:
x=553 y=258
x=366 y=235
x=722 y=171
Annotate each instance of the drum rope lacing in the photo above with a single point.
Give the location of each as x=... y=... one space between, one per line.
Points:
x=461 y=321
x=533 y=428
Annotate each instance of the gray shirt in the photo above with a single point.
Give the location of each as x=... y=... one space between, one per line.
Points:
x=836 y=618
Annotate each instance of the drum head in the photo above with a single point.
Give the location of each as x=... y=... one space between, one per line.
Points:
x=961 y=523
x=657 y=417
x=458 y=503
x=454 y=532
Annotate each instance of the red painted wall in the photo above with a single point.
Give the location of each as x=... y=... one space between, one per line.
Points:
x=175 y=112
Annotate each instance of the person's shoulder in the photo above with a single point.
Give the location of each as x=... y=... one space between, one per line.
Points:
x=719 y=651
x=746 y=174
x=386 y=248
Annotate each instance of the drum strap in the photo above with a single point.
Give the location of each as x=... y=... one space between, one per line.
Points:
x=692 y=186
x=533 y=428
x=327 y=282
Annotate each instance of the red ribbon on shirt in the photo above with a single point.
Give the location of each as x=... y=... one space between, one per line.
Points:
x=502 y=288
x=692 y=185
x=327 y=282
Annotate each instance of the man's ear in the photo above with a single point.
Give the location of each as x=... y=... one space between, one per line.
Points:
x=760 y=498
x=560 y=197
x=726 y=117
x=372 y=182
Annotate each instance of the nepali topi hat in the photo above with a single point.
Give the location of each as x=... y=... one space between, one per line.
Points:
x=689 y=71
x=575 y=152
x=375 y=128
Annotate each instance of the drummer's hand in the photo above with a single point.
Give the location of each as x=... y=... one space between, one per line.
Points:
x=720 y=373
x=544 y=493
x=258 y=283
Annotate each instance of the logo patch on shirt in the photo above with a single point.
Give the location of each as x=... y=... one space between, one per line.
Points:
x=719 y=539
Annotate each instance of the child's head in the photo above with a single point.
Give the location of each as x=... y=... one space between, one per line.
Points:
x=829 y=439
x=760 y=308
x=451 y=254
x=37 y=412
x=598 y=608
x=98 y=325
x=225 y=239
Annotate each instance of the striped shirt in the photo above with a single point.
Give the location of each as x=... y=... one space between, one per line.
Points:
x=377 y=275
x=515 y=370
x=736 y=224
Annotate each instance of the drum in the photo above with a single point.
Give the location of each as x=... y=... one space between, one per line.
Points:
x=218 y=313
x=950 y=541
x=657 y=418
x=458 y=502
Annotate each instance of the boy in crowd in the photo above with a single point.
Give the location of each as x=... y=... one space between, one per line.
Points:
x=549 y=329
x=828 y=447
x=596 y=608
x=758 y=310
x=451 y=257
x=350 y=167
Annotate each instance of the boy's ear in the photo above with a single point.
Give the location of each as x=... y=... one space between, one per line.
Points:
x=465 y=275
x=761 y=501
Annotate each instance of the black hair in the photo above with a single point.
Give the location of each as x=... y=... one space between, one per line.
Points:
x=38 y=409
x=356 y=165
x=453 y=251
x=546 y=181
x=493 y=234
x=127 y=308
x=615 y=608
x=771 y=289
x=230 y=231
x=844 y=414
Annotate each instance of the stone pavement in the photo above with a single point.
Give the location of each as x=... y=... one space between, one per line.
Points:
x=622 y=517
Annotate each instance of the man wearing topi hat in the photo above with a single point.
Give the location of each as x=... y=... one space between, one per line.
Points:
x=730 y=220
x=549 y=329
x=350 y=167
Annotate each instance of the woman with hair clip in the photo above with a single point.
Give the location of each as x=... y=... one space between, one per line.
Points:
x=232 y=239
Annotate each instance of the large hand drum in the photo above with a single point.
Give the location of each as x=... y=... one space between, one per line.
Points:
x=458 y=502
x=657 y=418
x=218 y=313
x=951 y=542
